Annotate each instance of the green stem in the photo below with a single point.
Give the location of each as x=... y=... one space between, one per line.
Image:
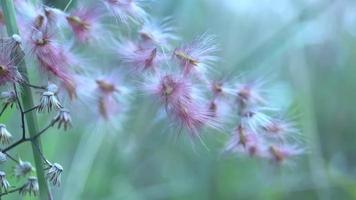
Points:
x=27 y=100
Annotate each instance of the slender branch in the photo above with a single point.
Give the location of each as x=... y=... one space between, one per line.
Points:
x=12 y=158
x=3 y=109
x=20 y=141
x=22 y=113
x=31 y=109
x=10 y=191
x=34 y=86
x=34 y=137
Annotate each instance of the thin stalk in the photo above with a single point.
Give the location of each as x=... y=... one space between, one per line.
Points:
x=27 y=100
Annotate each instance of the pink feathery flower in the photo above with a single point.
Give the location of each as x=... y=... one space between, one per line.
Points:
x=53 y=59
x=10 y=56
x=138 y=57
x=220 y=89
x=171 y=90
x=126 y=10
x=157 y=34
x=181 y=106
x=191 y=116
x=111 y=95
x=245 y=141
x=84 y=23
x=219 y=109
x=279 y=128
x=107 y=104
x=197 y=56
x=55 y=17
x=249 y=94
x=280 y=153
x=219 y=104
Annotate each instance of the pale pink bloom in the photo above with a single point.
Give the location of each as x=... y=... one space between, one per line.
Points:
x=138 y=57
x=191 y=116
x=280 y=153
x=182 y=106
x=170 y=89
x=107 y=104
x=220 y=109
x=101 y=94
x=157 y=34
x=245 y=141
x=126 y=10
x=55 y=17
x=220 y=89
x=8 y=61
x=53 y=59
x=279 y=128
x=254 y=117
x=219 y=103
x=85 y=23
x=31 y=17
x=249 y=94
x=197 y=56
x=109 y=95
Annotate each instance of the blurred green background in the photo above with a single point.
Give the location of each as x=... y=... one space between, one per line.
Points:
x=306 y=45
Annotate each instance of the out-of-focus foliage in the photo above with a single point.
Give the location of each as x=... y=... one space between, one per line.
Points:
x=306 y=46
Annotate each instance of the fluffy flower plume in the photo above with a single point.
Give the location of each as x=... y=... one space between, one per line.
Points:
x=181 y=105
x=53 y=59
x=197 y=56
x=157 y=34
x=138 y=57
x=246 y=142
x=258 y=132
x=126 y=10
x=10 y=56
x=84 y=22
x=170 y=89
x=249 y=94
x=280 y=153
x=108 y=105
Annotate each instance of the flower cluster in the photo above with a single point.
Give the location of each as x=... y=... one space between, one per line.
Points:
x=177 y=75
x=259 y=131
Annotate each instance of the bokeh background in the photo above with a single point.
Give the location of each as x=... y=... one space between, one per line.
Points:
x=306 y=48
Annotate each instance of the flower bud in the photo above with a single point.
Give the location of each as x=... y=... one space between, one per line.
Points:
x=30 y=187
x=63 y=118
x=5 y=135
x=54 y=174
x=17 y=38
x=8 y=98
x=4 y=184
x=52 y=88
x=23 y=168
x=3 y=158
x=49 y=101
